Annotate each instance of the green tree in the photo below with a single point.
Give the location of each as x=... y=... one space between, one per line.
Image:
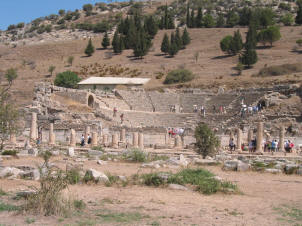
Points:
x=165 y=45
x=188 y=16
x=178 y=39
x=249 y=57
x=67 y=79
x=207 y=142
x=245 y=16
x=262 y=37
x=236 y=44
x=88 y=9
x=266 y=17
x=192 y=22
x=208 y=21
x=150 y=26
x=173 y=46
x=105 y=41
x=220 y=21
x=185 y=37
x=198 y=20
x=116 y=42
x=142 y=44
x=61 y=12
x=225 y=44
x=51 y=69
x=288 y=19
x=89 y=49
x=251 y=36
x=232 y=19
x=273 y=34
x=298 y=18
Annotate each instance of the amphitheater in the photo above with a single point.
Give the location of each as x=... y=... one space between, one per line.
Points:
x=149 y=113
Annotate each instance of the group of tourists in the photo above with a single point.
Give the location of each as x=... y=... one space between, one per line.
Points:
x=202 y=110
x=176 y=131
x=249 y=110
x=83 y=140
x=267 y=146
x=115 y=113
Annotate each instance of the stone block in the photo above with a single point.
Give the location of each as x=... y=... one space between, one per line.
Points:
x=70 y=152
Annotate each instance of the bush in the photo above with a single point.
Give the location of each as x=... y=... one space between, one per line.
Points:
x=288 y=19
x=178 y=76
x=135 y=155
x=101 y=27
x=225 y=44
x=206 y=140
x=73 y=176
x=280 y=70
x=9 y=152
x=153 y=179
x=20 y=25
x=67 y=79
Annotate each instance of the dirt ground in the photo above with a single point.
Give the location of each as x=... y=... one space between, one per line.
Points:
x=212 y=69
x=265 y=199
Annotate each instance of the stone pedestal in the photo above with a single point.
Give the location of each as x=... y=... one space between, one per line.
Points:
x=13 y=139
x=177 y=142
x=239 y=139
x=51 y=140
x=259 y=138
x=87 y=132
x=135 y=140
x=141 y=141
x=72 y=138
x=123 y=135
x=94 y=141
x=281 y=139
x=250 y=135
x=114 y=143
x=33 y=128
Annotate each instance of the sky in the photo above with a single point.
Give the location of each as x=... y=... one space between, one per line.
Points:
x=15 y=11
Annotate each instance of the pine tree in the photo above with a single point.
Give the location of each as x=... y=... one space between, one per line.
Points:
x=251 y=36
x=116 y=43
x=193 y=25
x=115 y=40
x=236 y=44
x=198 y=21
x=220 y=21
x=165 y=44
x=178 y=39
x=299 y=13
x=142 y=44
x=249 y=57
x=106 y=41
x=188 y=20
x=173 y=46
x=185 y=37
x=89 y=49
x=150 y=26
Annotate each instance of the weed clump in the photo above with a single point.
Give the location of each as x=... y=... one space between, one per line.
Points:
x=135 y=155
x=9 y=152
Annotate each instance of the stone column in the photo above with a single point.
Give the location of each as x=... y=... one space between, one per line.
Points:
x=135 y=140
x=33 y=128
x=105 y=139
x=94 y=141
x=13 y=139
x=281 y=138
x=239 y=139
x=87 y=131
x=123 y=135
x=250 y=135
x=177 y=142
x=114 y=143
x=259 y=138
x=51 y=140
x=141 y=141
x=72 y=138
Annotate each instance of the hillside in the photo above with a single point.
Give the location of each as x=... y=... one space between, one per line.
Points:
x=32 y=57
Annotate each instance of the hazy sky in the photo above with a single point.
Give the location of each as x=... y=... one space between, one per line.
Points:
x=15 y=11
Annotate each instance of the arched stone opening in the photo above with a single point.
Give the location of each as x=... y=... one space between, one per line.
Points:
x=90 y=101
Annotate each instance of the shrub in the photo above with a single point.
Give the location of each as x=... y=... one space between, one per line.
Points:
x=9 y=152
x=79 y=204
x=299 y=42
x=153 y=179
x=135 y=155
x=206 y=140
x=73 y=176
x=280 y=70
x=67 y=79
x=225 y=44
x=288 y=19
x=20 y=25
x=178 y=76
x=51 y=69
x=101 y=27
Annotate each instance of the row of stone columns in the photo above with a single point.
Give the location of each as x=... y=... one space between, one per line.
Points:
x=259 y=137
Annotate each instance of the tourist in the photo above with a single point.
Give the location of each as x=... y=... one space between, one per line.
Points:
x=214 y=109
x=203 y=111
x=88 y=139
x=170 y=131
x=232 y=145
x=221 y=109
x=82 y=140
x=224 y=110
x=251 y=146
x=122 y=117
x=274 y=146
x=195 y=109
x=114 y=112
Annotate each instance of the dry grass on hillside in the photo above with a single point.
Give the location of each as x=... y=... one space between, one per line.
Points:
x=212 y=69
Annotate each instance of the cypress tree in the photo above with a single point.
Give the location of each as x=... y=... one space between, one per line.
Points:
x=170 y=22
x=193 y=25
x=251 y=36
x=173 y=46
x=165 y=44
x=150 y=26
x=130 y=38
x=298 y=18
x=121 y=45
x=106 y=41
x=188 y=20
x=249 y=57
x=116 y=43
x=166 y=17
x=198 y=21
x=162 y=23
x=220 y=21
x=115 y=39
x=89 y=49
x=236 y=44
x=142 y=44
x=178 y=39
x=185 y=37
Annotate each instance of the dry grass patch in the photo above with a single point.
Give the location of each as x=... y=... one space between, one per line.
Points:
x=278 y=70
